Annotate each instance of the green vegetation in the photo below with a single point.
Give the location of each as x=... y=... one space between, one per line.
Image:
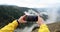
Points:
x=10 y=13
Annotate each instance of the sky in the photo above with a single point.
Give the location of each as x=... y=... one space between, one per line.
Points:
x=31 y=3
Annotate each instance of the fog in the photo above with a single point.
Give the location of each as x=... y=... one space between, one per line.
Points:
x=31 y=3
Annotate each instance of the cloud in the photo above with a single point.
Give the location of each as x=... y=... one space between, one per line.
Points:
x=31 y=3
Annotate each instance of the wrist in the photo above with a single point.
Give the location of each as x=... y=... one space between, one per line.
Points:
x=18 y=21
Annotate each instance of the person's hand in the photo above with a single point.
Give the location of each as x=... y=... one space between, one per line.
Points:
x=21 y=19
x=40 y=20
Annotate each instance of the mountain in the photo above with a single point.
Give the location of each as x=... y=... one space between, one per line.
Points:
x=8 y=13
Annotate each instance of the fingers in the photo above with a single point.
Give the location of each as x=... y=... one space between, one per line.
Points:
x=21 y=19
x=25 y=21
x=39 y=18
x=23 y=15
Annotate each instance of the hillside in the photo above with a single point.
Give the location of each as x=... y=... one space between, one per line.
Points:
x=8 y=13
x=54 y=27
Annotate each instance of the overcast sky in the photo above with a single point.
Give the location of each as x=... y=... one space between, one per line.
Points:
x=31 y=3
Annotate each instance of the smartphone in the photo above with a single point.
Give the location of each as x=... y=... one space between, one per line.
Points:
x=31 y=18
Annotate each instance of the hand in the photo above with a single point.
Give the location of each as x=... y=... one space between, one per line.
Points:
x=40 y=20
x=21 y=19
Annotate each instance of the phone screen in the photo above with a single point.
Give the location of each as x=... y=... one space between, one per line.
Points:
x=31 y=18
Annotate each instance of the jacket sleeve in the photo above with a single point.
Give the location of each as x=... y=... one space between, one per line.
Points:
x=10 y=27
x=43 y=28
